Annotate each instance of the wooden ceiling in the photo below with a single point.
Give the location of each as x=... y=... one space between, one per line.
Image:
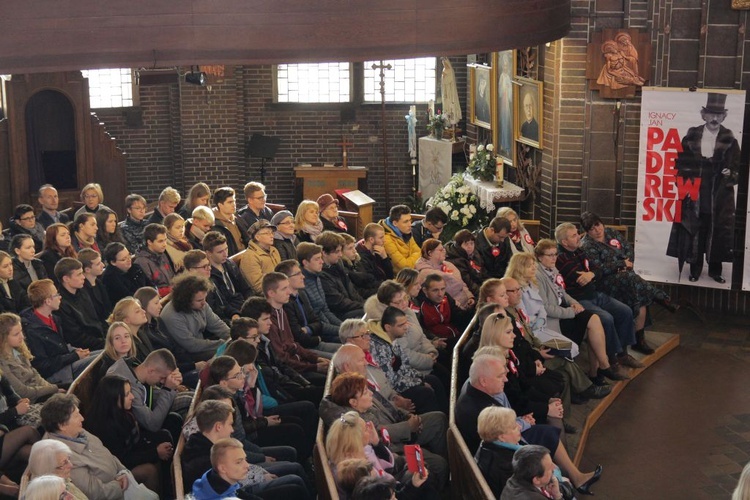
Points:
x=64 y=35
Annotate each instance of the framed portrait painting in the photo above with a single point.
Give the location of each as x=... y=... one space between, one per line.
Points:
x=502 y=114
x=528 y=112
x=481 y=96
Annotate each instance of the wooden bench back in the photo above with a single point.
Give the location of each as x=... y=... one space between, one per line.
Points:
x=533 y=227
x=468 y=481
x=324 y=481
x=176 y=462
x=84 y=386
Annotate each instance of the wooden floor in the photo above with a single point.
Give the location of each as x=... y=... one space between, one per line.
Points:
x=681 y=428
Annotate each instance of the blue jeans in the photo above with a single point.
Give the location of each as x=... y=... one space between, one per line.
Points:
x=617 y=320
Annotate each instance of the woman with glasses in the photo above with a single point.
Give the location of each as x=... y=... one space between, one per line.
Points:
x=92 y=197
x=24 y=222
x=111 y=419
x=284 y=238
x=50 y=458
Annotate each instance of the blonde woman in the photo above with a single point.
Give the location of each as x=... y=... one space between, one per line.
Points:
x=117 y=345
x=351 y=437
x=92 y=197
x=307 y=221
x=15 y=362
x=520 y=239
x=130 y=312
x=531 y=389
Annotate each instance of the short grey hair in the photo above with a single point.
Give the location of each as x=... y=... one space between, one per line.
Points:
x=481 y=366
x=344 y=356
x=46 y=487
x=561 y=231
x=349 y=327
x=527 y=462
x=43 y=457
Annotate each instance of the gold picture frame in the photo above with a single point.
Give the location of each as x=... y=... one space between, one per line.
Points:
x=528 y=121
x=480 y=96
x=503 y=122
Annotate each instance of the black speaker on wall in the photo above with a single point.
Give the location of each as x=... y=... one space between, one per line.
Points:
x=263 y=147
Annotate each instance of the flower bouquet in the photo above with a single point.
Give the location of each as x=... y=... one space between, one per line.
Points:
x=461 y=206
x=483 y=164
x=436 y=124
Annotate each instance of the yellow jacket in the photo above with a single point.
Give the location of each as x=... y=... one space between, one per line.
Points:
x=403 y=254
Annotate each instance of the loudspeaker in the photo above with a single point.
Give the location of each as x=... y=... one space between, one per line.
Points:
x=261 y=146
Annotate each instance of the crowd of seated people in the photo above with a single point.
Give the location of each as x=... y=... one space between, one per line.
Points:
x=257 y=304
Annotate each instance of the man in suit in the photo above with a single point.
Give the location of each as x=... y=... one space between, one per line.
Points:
x=49 y=201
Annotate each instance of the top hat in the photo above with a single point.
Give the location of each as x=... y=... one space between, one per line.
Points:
x=715 y=103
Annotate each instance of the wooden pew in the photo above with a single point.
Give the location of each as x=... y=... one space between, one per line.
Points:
x=533 y=227
x=236 y=258
x=84 y=385
x=176 y=462
x=468 y=481
x=324 y=482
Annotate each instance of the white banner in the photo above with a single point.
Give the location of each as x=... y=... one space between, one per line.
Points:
x=688 y=168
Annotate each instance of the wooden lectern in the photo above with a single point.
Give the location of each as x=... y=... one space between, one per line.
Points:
x=311 y=182
x=360 y=204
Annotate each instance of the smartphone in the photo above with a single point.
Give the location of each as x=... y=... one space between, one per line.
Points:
x=414 y=459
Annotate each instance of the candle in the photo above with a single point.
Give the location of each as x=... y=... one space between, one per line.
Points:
x=499 y=171
x=431 y=108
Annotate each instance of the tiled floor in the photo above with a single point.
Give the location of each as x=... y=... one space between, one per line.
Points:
x=681 y=430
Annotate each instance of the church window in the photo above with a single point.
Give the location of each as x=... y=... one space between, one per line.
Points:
x=409 y=80
x=303 y=83
x=110 y=88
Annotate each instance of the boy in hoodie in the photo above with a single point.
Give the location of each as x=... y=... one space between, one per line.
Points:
x=399 y=244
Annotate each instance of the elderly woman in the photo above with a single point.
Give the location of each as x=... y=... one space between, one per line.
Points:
x=284 y=239
x=24 y=222
x=84 y=229
x=613 y=256
x=307 y=221
x=261 y=257
x=566 y=315
x=96 y=472
x=46 y=488
x=329 y=214
x=177 y=243
x=51 y=457
x=433 y=261
x=461 y=252
x=501 y=437
x=92 y=198
x=57 y=244
x=15 y=362
x=12 y=297
x=520 y=239
x=26 y=268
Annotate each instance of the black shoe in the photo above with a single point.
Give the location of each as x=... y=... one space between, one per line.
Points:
x=569 y=429
x=692 y=278
x=642 y=347
x=585 y=488
x=718 y=278
x=611 y=374
x=597 y=392
x=598 y=380
x=580 y=399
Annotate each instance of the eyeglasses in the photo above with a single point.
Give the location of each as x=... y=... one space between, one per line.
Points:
x=264 y=233
x=239 y=376
x=65 y=463
x=295 y=274
x=205 y=268
x=90 y=196
x=28 y=217
x=512 y=290
x=55 y=296
x=550 y=254
x=286 y=222
x=261 y=197
x=363 y=336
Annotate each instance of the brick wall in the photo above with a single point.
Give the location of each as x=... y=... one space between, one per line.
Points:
x=189 y=134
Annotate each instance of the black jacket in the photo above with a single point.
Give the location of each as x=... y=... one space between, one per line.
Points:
x=495 y=263
x=18 y=300
x=120 y=285
x=365 y=283
x=381 y=269
x=50 y=349
x=468 y=407
x=46 y=219
x=49 y=258
x=300 y=313
x=37 y=234
x=496 y=464
x=287 y=248
x=9 y=416
x=153 y=336
x=100 y=298
x=472 y=270
x=229 y=303
x=196 y=459
x=341 y=296
x=21 y=274
x=80 y=321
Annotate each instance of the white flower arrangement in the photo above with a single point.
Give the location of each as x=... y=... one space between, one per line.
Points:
x=459 y=204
